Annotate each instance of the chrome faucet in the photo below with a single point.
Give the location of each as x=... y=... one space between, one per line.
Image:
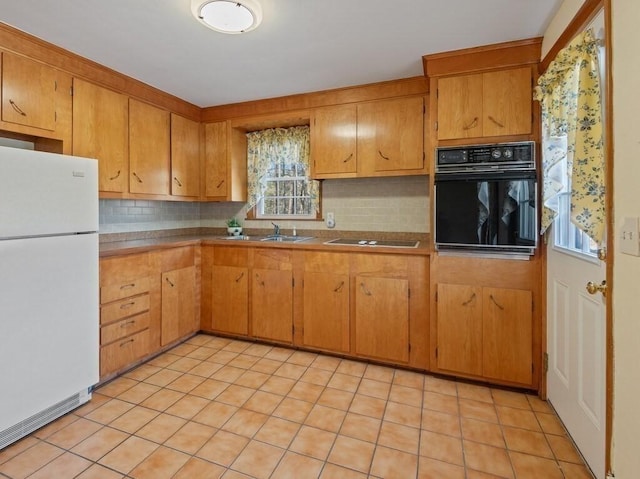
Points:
x=276 y=229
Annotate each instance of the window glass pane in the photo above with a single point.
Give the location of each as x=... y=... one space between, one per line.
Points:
x=269 y=206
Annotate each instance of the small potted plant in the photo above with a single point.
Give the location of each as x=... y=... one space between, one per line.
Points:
x=234 y=228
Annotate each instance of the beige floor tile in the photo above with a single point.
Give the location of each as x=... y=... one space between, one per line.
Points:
x=188 y=406
x=198 y=468
x=191 y=437
x=313 y=442
x=290 y=371
x=258 y=460
x=279 y=354
x=183 y=364
x=336 y=398
x=489 y=459
x=344 y=382
x=99 y=472
x=184 y=349
x=409 y=379
x=563 y=449
x=29 y=461
x=538 y=404
x=352 y=453
x=100 y=443
x=210 y=388
x=161 y=428
x=482 y=431
x=223 y=448
x=235 y=475
x=475 y=392
x=17 y=448
x=302 y=358
x=325 y=418
x=278 y=432
x=550 y=423
x=575 y=471
x=117 y=386
x=252 y=379
x=202 y=353
x=163 y=463
x=472 y=474
x=432 y=469
x=215 y=414
x=510 y=398
x=235 y=395
x=163 y=377
x=228 y=374
x=263 y=402
x=327 y=363
x=258 y=350
x=479 y=410
x=205 y=369
x=295 y=466
x=332 y=471
x=403 y=414
x=138 y=393
x=533 y=467
x=441 y=422
x=74 y=433
x=142 y=372
x=267 y=366
x=293 y=410
x=440 y=402
x=109 y=411
x=245 y=423
x=317 y=376
x=222 y=357
x=361 y=427
x=520 y=418
x=393 y=464
x=278 y=385
x=163 y=360
x=441 y=447
x=528 y=442
x=373 y=388
x=379 y=373
x=352 y=368
x=128 y=454
x=243 y=361
x=305 y=391
x=439 y=385
x=237 y=346
x=399 y=437
x=368 y=406
x=186 y=383
x=162 y=400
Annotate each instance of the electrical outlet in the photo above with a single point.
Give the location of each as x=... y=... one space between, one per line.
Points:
x=629 y=241
x=330 y=220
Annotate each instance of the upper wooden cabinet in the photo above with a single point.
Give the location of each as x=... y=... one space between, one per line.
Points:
x=100 y=130
x=488 y=104
x=333 y=142
x=28 y=92
x=391 y=136
x=216 y=180
x=149 y=149
x=381 y=138
x=185 y=156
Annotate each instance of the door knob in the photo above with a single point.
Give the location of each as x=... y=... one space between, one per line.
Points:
x=593 y=288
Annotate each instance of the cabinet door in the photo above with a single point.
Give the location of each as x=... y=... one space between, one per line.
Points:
x=185 y=156
x=272 y=305
x=178 y=304
x=460 y=107
x=326 y=311
x=28 y=92
x=215 y=160
x=333 y=142
x=382 y=318
x=507 y=334
x=100 y=130
x=391 y=135
x=459 y=328
x=230 y=299
x=149 y=149
x=507 y=102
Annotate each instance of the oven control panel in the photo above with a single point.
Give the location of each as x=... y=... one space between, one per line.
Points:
x=498 y=156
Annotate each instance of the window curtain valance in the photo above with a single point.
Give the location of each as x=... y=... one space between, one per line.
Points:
x=572 y=148
x=276 y=146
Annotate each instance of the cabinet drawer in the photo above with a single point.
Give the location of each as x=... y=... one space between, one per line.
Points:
x=123 y=289
x=124 y=308
x=117 y=355
x=123 y=328
x=123 y=269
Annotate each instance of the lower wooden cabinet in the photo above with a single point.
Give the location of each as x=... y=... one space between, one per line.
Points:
x=178 y=304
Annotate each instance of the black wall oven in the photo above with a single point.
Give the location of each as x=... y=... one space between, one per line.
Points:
x=486 y=198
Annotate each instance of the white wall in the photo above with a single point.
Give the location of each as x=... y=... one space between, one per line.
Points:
x=626 y=163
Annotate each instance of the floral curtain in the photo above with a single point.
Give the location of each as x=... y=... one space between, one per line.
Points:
x=572 y=148
x=273 y=147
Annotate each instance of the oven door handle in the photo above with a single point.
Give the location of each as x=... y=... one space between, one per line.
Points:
x=486 y=175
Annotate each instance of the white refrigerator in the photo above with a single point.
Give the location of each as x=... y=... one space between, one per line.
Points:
x=49 y=316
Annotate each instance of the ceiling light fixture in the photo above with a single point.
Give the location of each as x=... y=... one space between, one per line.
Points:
x=228 y=16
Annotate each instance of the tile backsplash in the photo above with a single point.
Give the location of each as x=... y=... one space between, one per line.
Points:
x=363 y=204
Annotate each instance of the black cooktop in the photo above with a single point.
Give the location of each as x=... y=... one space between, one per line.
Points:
x=385 y=243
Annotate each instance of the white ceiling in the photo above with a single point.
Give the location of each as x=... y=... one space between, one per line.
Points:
x=301 y=46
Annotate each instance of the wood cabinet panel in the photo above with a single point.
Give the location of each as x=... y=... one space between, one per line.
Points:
x=326 y=308
x=113 y=292
x=230 y=299
x=178 y=304
x=507 y=335
x=120 y=270
x=185 y=156
x=272 y=304
x=382 y=318
x=119 y=354
x=216 y=168
x=100 y=130
x=333 y=141
x=124 y=328
x=460 y=107
x=124 y=308
x=459 y=323
x=149 y=149
x=28 y=92
x=507 y=97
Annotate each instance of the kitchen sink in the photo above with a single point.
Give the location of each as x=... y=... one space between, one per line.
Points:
x=287 y=239
x=373 y=243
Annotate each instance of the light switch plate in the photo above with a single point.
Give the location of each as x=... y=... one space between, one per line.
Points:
x=629 y=237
